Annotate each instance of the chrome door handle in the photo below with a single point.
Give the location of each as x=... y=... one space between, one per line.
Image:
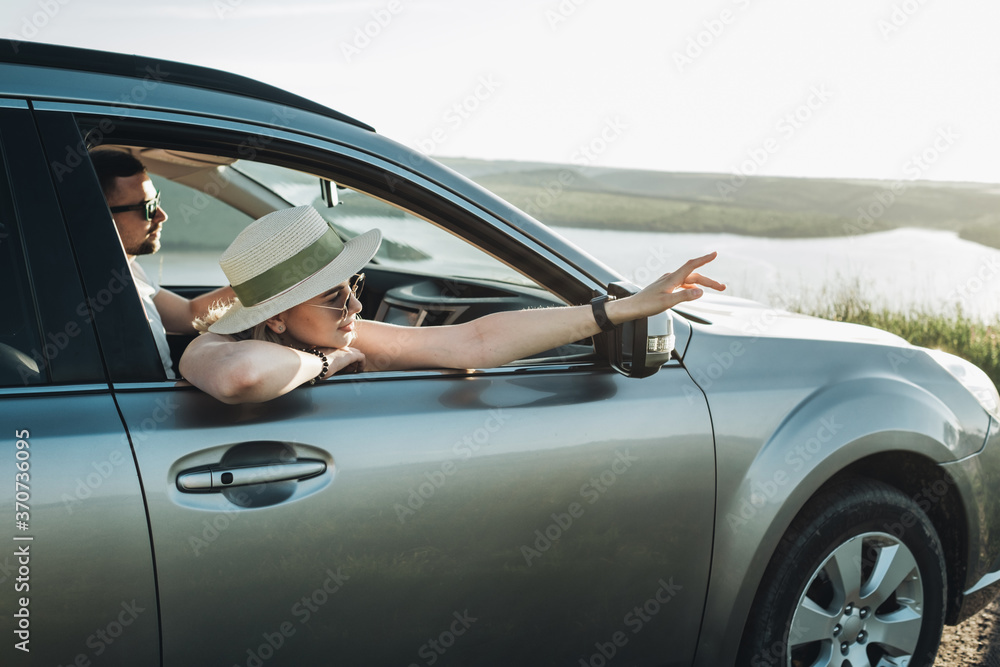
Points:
x=214 y=479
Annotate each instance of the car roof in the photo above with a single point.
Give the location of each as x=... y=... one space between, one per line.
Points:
x=134 y=66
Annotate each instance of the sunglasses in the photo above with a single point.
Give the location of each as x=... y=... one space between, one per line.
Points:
x=150 y=207
x=356 y=284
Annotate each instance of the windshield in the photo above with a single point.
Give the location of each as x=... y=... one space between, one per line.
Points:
x=409 y=242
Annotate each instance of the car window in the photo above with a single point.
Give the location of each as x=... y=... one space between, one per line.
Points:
x=422 y=275
x=409 y=242
x=21 y=360
x=199 y=227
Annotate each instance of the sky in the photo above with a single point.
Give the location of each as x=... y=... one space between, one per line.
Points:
x=890 y=89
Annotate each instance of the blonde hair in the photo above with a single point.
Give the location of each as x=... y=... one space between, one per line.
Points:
x=218 y=309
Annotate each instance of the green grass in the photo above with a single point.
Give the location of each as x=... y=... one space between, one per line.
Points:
x=957 y=333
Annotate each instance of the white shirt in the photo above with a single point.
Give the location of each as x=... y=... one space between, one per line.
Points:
x=147 y=290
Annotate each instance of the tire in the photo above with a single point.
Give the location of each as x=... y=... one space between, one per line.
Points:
x=816 y=608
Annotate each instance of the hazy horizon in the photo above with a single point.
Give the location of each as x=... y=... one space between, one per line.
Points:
x=892 y=89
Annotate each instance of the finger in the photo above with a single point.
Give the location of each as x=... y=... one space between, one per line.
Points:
x=692 y=264
x=688 y=294
x=681 y=274
x=697 y=278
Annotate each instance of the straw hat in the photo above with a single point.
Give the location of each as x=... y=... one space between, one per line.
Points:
x=285 y=258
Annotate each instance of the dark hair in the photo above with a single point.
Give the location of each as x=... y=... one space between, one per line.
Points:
x=113 y=164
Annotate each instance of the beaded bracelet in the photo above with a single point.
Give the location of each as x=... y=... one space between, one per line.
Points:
x=326 y=363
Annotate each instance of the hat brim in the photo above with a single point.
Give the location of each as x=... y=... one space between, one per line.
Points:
x=356 y=254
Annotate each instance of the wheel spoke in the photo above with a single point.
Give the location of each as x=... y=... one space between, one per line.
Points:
x=811 y=623
x=895 y=565
x=897 y=631
x=844 y=570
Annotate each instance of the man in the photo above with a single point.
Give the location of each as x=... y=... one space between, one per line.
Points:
x=135 y=207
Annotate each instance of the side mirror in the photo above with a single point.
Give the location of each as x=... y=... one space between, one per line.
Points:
x=639 y=348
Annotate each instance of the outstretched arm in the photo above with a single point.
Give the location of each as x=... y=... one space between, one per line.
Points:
x=500 y=338
x=253 y=371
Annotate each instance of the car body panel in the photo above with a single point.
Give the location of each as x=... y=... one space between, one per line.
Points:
x=822 y=418
x=443 y=495
x=88 y=575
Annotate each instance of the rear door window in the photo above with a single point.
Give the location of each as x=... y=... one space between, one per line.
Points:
x=21 y=361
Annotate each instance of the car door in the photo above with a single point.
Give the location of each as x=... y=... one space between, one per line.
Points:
x=542 y=513
x=77 y=569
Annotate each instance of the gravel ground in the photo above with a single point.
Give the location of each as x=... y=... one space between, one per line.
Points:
x=976 y=642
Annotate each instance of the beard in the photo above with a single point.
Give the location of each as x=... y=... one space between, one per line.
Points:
x=146 y=247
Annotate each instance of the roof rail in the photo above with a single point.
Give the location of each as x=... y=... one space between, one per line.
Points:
x=121 y=64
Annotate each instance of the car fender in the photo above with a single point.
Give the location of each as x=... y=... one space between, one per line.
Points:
x=833 y=427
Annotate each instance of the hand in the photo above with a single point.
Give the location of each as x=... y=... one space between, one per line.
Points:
x=668 y=290
x=344 y=360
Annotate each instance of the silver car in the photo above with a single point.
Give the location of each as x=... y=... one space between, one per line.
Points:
x=726 y=484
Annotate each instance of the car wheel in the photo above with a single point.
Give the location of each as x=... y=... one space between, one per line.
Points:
x=857 y=581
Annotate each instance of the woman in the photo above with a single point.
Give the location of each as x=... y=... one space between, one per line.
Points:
x=296 y=317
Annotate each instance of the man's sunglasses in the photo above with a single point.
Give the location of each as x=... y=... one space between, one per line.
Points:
x=149 y=206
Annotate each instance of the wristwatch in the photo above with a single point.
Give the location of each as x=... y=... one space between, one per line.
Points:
x=600 y=314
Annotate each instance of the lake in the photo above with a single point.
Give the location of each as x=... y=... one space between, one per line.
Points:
x=902 y=269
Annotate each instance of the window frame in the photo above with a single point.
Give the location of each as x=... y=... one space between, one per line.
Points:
x=68 y=350
x=366 y=172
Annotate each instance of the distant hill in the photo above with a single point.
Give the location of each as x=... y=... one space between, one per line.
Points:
x=631 y=199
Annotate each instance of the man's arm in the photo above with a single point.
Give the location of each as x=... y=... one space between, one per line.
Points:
x=177 y=313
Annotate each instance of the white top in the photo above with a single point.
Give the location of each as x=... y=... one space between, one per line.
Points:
x=147 y=290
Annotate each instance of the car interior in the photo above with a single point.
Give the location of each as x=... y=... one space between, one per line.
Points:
x=423 y=275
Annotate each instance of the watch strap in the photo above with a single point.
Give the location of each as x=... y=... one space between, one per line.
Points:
x=600 y=314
